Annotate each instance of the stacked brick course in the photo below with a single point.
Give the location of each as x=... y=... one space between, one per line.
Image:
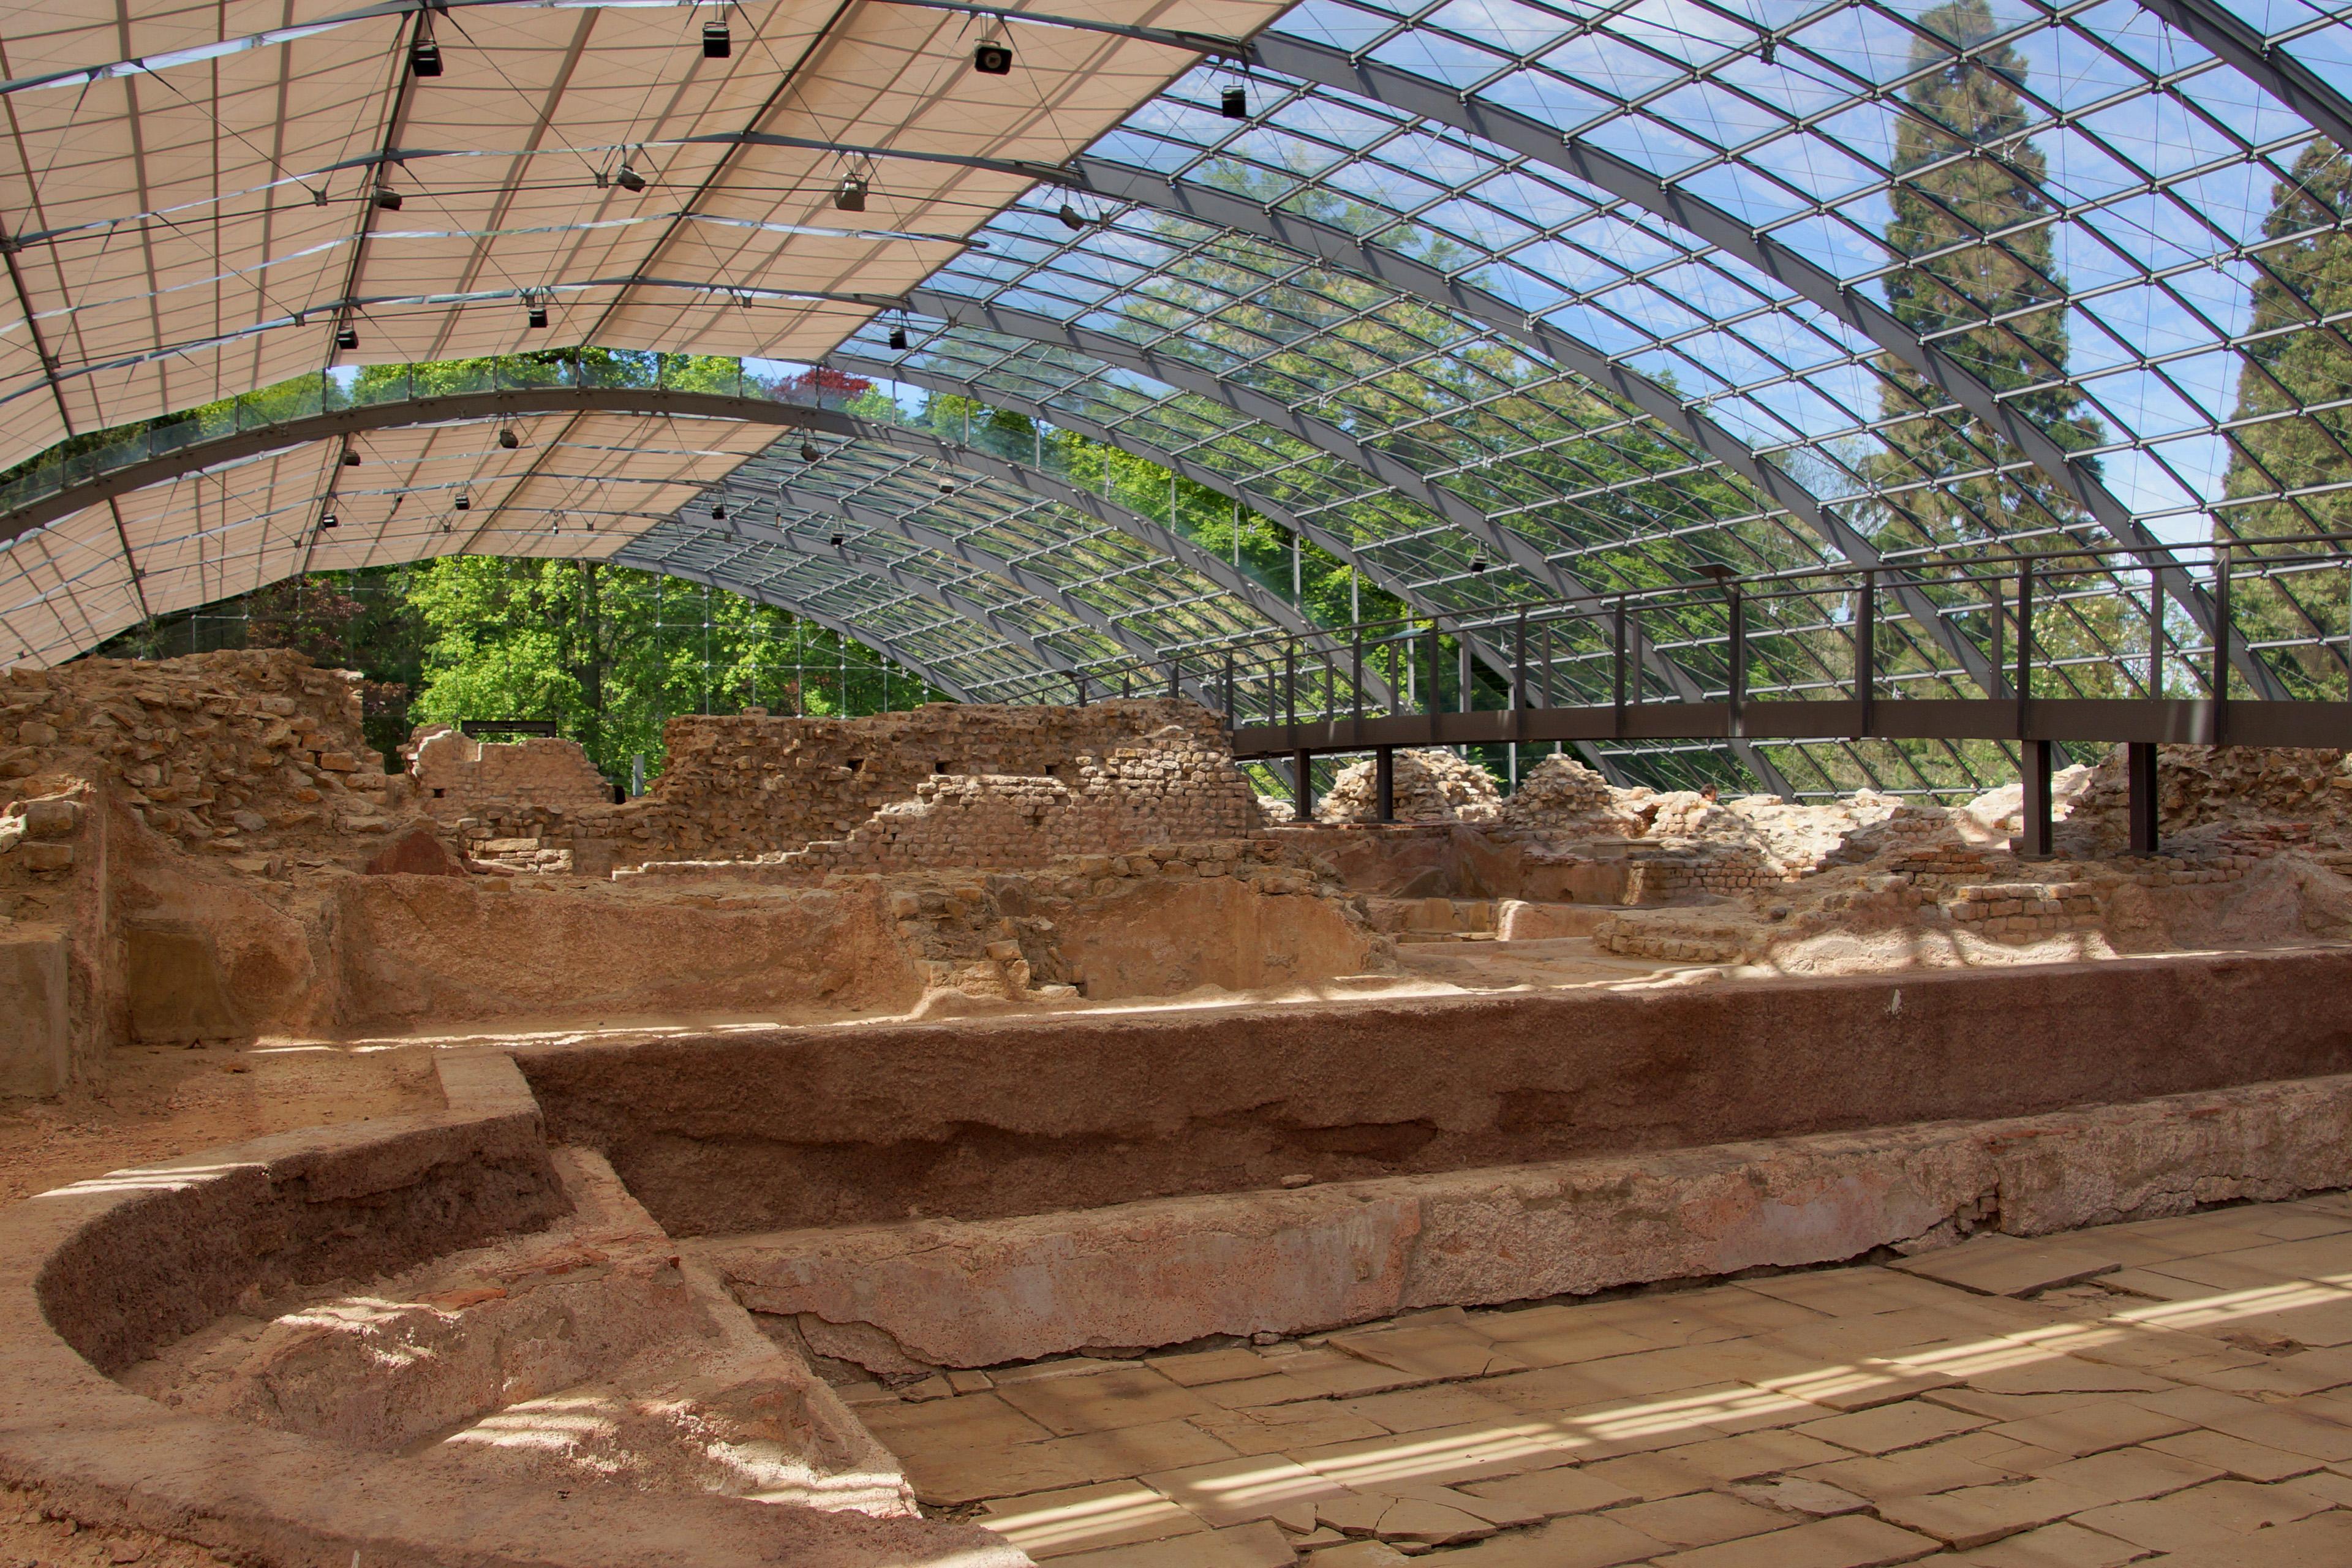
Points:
x=456 y=776
x=995 y=786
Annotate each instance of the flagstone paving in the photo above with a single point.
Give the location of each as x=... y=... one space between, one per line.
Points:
x=2170 y=1392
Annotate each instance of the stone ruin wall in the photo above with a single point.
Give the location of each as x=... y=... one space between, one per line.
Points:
x=457 y=777
x=241 y=753
x=973 y=785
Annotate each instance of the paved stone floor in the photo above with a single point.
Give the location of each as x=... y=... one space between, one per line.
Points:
x=2176 y=1392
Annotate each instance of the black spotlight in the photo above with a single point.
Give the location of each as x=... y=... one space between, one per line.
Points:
x=347 y=338
x=537 y=314
x=851 y=197
x=465 y=501
x=508 y=440
x=897 y=337
x=326 y=519
x=947 y=487
x=719 y=514
x=717 y=43
x=808 y=452
x=425 y=57
x=628 y=179
x=1234 y=104
x=1070 y=219
x=351 y=459
x=992 y=59
x=1476 y=567
x=386 y=199
x=839 y=539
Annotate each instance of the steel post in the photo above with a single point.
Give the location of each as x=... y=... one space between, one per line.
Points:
x=2033 y=841
x=2139 y=766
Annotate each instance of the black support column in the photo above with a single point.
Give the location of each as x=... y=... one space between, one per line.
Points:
x=2033 y=841
x=1384 y=781
x=2139 y=763
x=1303 y=785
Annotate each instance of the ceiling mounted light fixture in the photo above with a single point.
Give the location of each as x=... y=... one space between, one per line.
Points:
x=508 y=438
x=1070 y=219
x=850 y=197
x=326 y=519
x=347 y=338
x=1234 y=103
x=385 y=198
x=351 y=459
x=717 y=44
x=808 y=452
x=718 y=512
x=992 y=59
x=465 y=501
x=1476 y=566
x=898 y=337
x=628 y=179
x=425 y=57
x=838 y=540
x=535 y=309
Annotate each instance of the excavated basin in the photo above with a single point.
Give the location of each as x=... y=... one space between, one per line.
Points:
x=983 y=1121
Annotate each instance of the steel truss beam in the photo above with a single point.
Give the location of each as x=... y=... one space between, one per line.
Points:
x=1136 y=525
x=1418 y=280
x=658 y=402
x=1621 y=177
x=932 y=541
x=1211 y=479
x=998 y=566
x=792 y=607
x=1507 y=543
x=2226 y=37
x=905 y=582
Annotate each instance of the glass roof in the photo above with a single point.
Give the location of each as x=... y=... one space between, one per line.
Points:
x=1494 y=300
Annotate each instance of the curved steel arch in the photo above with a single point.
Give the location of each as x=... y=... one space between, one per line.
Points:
x=2227 y=37
x=1134 y=524
x=1223 y=484
x=922 y=587
x=1212 y=478
x=993 y=566
x=1328 y=242
x=1621 y=177
x=1327 y=437
x=1012 y=572
x=652 y=402
x=791 y=607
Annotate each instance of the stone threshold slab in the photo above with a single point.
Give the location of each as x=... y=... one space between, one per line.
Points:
x=1166 y=1271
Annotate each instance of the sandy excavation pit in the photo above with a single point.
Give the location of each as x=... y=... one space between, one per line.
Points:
x=860 y=1053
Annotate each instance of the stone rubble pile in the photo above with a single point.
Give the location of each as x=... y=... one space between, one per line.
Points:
x=228 y=751
x=1431 y=785
x=1560 y=792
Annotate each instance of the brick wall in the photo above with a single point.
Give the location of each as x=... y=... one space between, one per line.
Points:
x=456 y=776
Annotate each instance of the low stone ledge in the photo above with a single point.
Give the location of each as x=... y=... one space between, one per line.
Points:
x=99 y=1273
x=1166 y=1271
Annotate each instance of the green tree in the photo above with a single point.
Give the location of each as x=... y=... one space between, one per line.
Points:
x=2297 y=462
x=1982 y=281
x=1963 y=171
x=611 y=654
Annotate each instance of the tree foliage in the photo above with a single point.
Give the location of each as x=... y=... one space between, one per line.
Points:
x=2295 y=452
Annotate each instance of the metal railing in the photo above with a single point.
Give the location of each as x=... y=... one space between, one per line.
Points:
x=2058 y=644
